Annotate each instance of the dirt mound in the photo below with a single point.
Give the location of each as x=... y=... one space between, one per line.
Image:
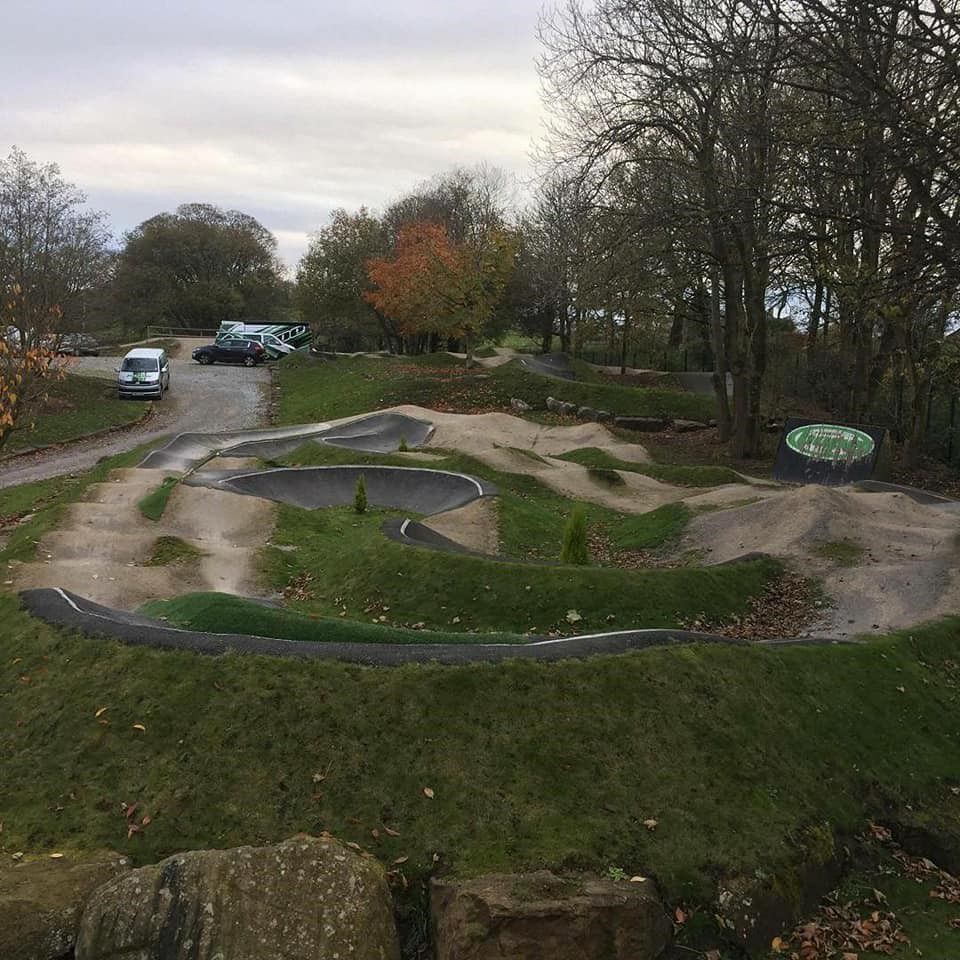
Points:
x=903 y=555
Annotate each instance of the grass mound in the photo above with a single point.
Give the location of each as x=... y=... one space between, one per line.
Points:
x=647 y=531
x=360 y=574
x=678 y=475
x=153 y=504
x=168 y=551
x=225 y=613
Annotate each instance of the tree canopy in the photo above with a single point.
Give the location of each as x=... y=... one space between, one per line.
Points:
x=198 y=267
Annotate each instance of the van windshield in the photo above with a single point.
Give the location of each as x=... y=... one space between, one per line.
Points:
x=139 y=364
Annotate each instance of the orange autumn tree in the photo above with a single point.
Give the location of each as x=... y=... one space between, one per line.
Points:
x=432 y=286
x=27 y=364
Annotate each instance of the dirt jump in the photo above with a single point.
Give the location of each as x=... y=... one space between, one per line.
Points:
x=910 y=548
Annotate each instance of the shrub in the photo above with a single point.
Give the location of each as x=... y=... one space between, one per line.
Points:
x=360 y=496
x=403 y=448
x=574 y=548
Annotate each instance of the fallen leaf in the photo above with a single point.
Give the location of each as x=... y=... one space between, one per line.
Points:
x=140 y=727
x=679 y=915
x=56 y=856
x=428 y=792
x=573 y=616
x=650 y=824
x=100 y=712
x=146 y=821
x=638 y=879
x=400 y=860
x=391 y=833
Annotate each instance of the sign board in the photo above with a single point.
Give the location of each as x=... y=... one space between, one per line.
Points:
x=812 y=451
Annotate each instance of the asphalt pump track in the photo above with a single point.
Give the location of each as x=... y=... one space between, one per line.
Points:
x=421 y=490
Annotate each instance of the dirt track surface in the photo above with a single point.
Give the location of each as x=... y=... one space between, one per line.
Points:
x=211 y=399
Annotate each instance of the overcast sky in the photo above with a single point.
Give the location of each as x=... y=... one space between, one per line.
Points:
x=284 y=110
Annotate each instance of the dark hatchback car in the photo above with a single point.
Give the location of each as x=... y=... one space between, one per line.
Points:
x=247 y=352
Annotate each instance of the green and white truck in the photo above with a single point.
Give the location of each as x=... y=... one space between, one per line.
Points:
x=278 y=339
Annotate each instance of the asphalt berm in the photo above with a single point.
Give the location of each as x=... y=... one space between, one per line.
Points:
x=65 y=609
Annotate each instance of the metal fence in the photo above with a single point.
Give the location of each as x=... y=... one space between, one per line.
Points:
x=153 y=331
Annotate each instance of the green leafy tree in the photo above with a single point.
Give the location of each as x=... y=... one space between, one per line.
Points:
x=332 y=282
x=198 y=267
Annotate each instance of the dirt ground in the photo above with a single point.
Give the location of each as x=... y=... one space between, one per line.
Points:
x=101 y=549
x=513 y=445
x=908 y=571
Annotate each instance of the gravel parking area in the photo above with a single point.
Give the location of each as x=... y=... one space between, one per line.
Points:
x=213 y=398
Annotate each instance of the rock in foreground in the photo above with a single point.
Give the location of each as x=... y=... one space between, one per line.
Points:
x=540 y=916
x=41 y=903
x=304 y=898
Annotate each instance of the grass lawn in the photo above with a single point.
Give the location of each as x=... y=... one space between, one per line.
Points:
x=313 y=390
x=354 y=571
x=75 y=407
x=735 y=751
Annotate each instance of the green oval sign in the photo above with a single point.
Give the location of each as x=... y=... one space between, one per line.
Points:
x=826 y=442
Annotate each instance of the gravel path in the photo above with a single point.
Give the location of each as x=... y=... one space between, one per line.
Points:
x=214 y=398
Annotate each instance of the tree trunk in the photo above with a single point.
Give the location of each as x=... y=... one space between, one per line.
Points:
x=719 y=358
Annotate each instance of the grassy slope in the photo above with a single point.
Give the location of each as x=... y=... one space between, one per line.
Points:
x=423 y=586
x=316 y=390
x=75 y=407
x=681 y=476
x=733 y=750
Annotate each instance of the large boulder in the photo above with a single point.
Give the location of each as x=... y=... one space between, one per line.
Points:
x=540 y=916
x=304 y=898
x=553 y=405
x=521 y=406
x=41 y=902
x=587 y=413
x=643 y=424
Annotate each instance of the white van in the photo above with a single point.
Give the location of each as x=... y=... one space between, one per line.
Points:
x=144 y=372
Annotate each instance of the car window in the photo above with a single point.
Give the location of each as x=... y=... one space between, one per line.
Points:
x=139 y=364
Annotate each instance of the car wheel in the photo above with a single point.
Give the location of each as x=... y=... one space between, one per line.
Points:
x=249 y=362
x=204 y=359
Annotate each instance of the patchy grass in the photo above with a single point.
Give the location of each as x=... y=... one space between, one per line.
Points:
x=733 y=750
x=154 y=503
x=168 y=551
x=844 y=553
x=75 y=407
x=678 y=475
x=360 y=574
x=225 y=613
x=605 y=477
x=647 y=531
x=311 y=389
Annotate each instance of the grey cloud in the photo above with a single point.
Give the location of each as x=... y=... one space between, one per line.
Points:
x=284 y=111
